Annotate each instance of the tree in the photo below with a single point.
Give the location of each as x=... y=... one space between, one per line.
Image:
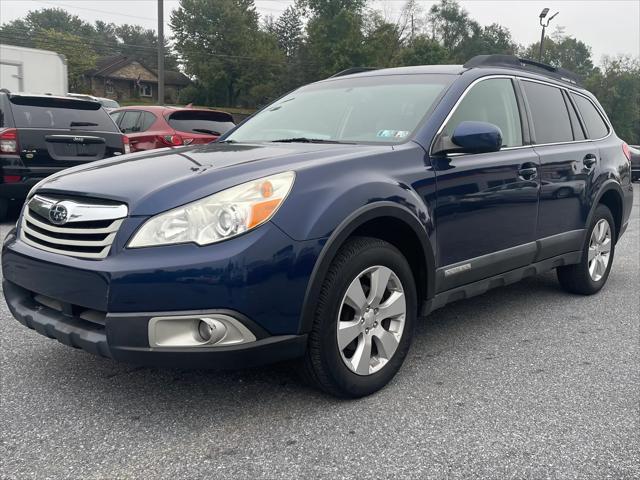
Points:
x=424 y=51
x=563 y=51
x=79 y=57
x=335 y=38
x=383 y=41
x=221 y=45
x=450 y=25
x=617 y=86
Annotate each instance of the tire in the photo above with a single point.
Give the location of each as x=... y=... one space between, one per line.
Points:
x=329 y=367
x=578 y=278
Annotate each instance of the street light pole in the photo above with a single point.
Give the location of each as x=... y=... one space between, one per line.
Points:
x=160 y=53
x=544 y=25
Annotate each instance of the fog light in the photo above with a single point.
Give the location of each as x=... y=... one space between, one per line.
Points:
x=205 y=330
x=211 y=330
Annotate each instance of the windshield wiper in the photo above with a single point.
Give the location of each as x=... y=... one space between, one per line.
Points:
x=206 y=130
x=304 y=140
x=83 y=124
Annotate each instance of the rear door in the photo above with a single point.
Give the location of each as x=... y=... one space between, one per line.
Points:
x=567 y=160
x=55 y=133
x=487 y=203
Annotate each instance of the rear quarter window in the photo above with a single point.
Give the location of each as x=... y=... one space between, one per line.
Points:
x=596 y=126
x=60 y=114
x=551 y=123
x=214 y=123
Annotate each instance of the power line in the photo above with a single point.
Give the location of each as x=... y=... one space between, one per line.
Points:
x=58 y=4
x=117 y=48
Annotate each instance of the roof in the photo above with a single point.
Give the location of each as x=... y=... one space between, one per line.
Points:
x=105 y=66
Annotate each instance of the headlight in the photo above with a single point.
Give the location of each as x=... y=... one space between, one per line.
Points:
x=218 y=217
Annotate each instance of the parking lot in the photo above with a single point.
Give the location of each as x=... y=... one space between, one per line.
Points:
x=525 y=381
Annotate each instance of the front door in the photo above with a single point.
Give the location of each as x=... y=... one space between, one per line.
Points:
x=487 y=204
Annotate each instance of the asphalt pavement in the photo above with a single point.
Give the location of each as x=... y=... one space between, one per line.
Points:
x=523 y=382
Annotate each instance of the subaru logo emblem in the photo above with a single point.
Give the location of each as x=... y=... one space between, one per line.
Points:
x=58 y=214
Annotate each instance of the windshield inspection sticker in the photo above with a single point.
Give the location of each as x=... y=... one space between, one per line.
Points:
x=392 y=133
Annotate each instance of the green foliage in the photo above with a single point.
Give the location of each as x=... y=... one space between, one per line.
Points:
x=99 y=39
x=79 y=60
x=617 y=86
x=220 y=44
x=235 y=59
x=564 y=51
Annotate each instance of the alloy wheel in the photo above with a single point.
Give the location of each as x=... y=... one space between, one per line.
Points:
x=599 y=249
x=371 y=320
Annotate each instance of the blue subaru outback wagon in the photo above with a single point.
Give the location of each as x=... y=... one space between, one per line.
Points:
x=323 y=227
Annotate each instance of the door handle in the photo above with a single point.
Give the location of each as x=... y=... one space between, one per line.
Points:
x=589 y=161
x=528 y=171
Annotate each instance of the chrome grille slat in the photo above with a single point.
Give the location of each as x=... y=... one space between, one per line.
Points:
x=78 y=243
x=89 y=231
x=77 y=240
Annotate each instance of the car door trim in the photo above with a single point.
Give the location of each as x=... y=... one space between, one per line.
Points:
x=495 y=263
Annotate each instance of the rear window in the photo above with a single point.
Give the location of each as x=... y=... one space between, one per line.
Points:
x=213 y=123
x=60 y=113
x=551 y=122
x=109 y=103
x=596 y=126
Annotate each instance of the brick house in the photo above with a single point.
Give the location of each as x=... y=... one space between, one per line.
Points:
x=123 y=78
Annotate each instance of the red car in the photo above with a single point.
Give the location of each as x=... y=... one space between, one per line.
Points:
x=149 y=127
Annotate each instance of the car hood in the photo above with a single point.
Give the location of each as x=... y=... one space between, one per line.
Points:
x=155 y=181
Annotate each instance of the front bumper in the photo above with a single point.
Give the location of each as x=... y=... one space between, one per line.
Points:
x=260 y=278
x=124 y=337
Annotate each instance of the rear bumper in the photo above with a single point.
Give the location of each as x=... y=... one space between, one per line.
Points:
x=123 y=337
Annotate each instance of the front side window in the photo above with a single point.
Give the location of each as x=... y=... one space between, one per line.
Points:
x=380 y=108
x=551 y=123
x=596 y=126
x=492 y=101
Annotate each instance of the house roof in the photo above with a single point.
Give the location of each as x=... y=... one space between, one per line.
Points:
x=106 y=66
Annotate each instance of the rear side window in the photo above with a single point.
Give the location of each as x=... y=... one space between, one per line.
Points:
x=146 y=121
x=60 y=113
x=551 y=122
x=578 y=133
x=492 y=101
x=596 y=126
x=213 y=123
x=129 y=122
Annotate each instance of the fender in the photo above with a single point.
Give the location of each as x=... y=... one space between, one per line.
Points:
x=342 y=232
x=607 y=186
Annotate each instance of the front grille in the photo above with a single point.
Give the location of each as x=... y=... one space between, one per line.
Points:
x=91 y=238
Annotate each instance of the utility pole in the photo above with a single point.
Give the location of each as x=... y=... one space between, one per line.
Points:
x=160 y=52
x=544 y=25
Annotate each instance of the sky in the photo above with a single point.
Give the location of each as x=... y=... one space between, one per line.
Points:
x=610 y=27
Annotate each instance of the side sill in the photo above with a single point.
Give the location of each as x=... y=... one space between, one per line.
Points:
x=507 y=278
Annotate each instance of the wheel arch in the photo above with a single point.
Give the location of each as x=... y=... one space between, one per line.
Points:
x=610 y=195
x=368 y=221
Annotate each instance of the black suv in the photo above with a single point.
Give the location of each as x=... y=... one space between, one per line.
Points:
x=42 y=134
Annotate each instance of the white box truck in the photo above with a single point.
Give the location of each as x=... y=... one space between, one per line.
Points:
x=33 y=71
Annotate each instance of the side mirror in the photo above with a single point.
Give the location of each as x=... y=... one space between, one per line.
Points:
x=471 y=137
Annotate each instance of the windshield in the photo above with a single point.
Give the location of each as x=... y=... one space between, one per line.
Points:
x=366 y=109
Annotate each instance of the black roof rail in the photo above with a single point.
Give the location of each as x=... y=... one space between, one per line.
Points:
x=351 y=70
x=511 y=61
